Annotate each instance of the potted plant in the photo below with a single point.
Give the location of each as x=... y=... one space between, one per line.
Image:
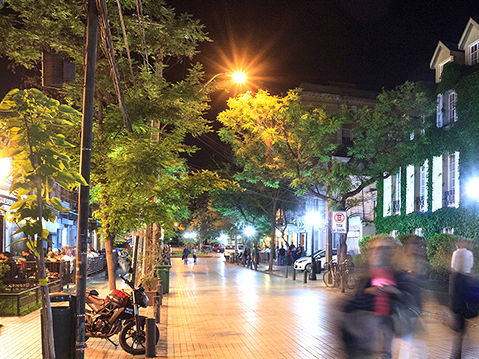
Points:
x=150 y=283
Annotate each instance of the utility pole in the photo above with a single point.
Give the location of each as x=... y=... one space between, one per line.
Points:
x=85 y=162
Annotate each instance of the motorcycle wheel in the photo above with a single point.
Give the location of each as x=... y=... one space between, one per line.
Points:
x=133 y=342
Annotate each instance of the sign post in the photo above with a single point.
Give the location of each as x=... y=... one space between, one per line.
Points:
x=340 y=223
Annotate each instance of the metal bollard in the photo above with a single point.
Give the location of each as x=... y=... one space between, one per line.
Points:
x=159 y=289
x=156 y=308
x=150 y=338
x=286 y=273
x=305 y=276
x=294 y=274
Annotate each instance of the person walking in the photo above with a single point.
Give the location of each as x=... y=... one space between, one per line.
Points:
x=461 y=265
x=282 y=255
x=186 y=253
x=195 y=254
x=368 y=325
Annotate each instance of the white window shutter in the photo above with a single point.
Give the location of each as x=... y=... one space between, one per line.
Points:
x=426 y=169
x=387 y=197
x=436 y=183
x=439 y=111
x=456 y=189
x=410 y=189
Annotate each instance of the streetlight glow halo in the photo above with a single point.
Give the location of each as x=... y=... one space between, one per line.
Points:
x=239 y=77
x=473 y=188
x=249 y=231
x=313 y=217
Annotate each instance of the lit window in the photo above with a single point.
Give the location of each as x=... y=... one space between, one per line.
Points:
x=452 y=107
x=474 y=53
x=448 y=112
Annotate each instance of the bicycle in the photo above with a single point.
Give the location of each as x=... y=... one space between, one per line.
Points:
x=333 y=276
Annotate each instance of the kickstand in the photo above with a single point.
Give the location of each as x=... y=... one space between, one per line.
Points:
x=112 y=342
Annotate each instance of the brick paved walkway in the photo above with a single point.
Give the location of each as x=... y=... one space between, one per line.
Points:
x=219 y=310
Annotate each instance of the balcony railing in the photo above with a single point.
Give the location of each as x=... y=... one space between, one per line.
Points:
x=419 y=204
x=449 y=198
x=396 y=207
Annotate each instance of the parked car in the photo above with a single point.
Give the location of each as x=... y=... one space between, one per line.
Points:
x=304 y=263
x=206 y=248
x=230 y=249
x=218 y=248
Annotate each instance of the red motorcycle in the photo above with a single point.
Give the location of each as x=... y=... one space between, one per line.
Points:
x=118 y=313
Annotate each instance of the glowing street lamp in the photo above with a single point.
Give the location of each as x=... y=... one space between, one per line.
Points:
x=190 y=235
x=472 y=188
x=312 y=218
x=249 y=231
x=239 y=77
x=223 y=238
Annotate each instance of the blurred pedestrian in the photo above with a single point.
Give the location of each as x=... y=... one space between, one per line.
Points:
x=246 y=255
x=195 y=254
x=186 y=253
x=414 y=261
x=282 y=255
x=168 y=254
x=461 y=265
x=381 y=307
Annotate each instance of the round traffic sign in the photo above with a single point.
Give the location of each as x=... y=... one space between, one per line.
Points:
x=339 y=217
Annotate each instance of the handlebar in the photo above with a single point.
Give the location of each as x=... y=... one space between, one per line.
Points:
x=129 y=282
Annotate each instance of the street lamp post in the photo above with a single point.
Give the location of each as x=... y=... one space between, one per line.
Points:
x=311 y=218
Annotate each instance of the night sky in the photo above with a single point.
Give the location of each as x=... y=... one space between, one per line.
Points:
x=372 y=43
x=280 y=44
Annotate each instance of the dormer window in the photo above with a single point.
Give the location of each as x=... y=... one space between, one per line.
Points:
x=474 y=53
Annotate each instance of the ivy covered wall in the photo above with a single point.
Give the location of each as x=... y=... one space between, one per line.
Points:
x=462 y=136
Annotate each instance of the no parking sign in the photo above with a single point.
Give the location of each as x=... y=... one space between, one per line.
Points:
x=340 y=223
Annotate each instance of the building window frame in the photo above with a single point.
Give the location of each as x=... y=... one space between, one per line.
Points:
x=473 y=53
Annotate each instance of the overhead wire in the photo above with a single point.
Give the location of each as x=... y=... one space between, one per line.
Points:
x=125 y=38
x=139 y=12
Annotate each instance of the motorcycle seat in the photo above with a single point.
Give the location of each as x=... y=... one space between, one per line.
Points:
x=92 y=297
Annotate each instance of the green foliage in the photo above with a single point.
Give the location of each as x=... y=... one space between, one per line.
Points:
x=131 y=176
x=439 y=251
x=408 y=238
x=31 y=131
x=271 y=133
x=364 y=243
x=3 y=269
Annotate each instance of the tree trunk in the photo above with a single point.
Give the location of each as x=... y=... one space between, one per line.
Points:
x=343 y=248
x=273 y=237
x=47 y=318
x=110 y=263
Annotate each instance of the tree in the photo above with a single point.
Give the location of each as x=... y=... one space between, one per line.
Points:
x=256 y=205
x=147 y=40
x=273 y=134
x=31 y=126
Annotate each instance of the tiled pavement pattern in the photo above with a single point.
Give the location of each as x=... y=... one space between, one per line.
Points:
x=219 y=310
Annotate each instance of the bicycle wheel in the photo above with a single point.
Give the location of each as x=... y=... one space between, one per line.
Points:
x=327 y=279
x=350 y=280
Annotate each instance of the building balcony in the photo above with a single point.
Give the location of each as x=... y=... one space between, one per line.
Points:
x=449 y=198
x=419 y=205
x=396 y=207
